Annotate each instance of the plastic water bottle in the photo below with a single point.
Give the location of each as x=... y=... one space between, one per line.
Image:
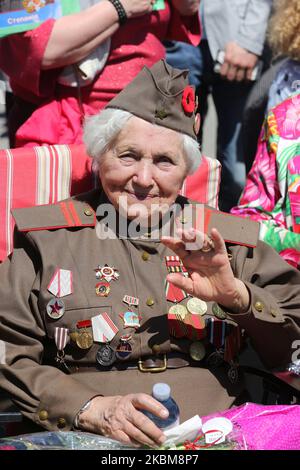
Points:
x=162 y=393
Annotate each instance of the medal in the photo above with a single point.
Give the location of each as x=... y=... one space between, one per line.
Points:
x=61 y=283
x=61 y=338
x=218 y=312
x=195 y=327
x=216 y=358
x=177 y=327
x=124 y=348
x=197 y=351
x=178 y=310
x=104 y=329
x=129 y=300
x=131 y=319
x=233 y=373
x=84 y=338
x=55 y=308
x=105 y=356
x=102 y=289
x=196 y=306
x=107 y=273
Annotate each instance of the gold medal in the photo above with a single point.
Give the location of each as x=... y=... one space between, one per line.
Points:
x=197 y=351
x=74 y=335
x=84 y=339
x=196 y=306
x=179 y=311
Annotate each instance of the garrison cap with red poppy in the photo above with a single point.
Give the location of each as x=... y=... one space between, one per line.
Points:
x=161 y=95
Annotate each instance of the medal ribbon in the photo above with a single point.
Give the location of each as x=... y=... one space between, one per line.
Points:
x=216 y=331
x=232 y=344
x=61 y=283
x=104 y=329
x=61 y=337
x=84 y=324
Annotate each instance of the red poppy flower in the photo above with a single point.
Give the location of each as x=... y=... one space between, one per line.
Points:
x=188 y=100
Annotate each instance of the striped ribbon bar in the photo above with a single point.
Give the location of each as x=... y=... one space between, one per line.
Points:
x=61 y=337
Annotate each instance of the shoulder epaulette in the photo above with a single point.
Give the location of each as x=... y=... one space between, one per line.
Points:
x=234 y=229
x=65 y=214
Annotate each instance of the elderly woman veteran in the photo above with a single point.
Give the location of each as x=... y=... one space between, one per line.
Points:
x=86 y=318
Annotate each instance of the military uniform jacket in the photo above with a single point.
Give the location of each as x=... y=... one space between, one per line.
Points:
x=64 y=236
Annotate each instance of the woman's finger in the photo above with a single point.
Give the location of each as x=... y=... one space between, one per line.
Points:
x=176 y=245
x=121 y=436
x=218 y=240
x=136 y=434
x=182 y=282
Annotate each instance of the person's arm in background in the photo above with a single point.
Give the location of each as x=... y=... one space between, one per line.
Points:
x=186 y=7
x=34 y=59
x=74 y=36
x=242 y=54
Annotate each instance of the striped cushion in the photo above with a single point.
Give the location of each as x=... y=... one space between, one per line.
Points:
x=47 y=174
x=39 y=175
x=203 y=185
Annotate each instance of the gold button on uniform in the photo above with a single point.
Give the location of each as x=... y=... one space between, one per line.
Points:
x=259 y=306
x=61 y=423
x=273 y=312
x=43 y=415
x=156 y=349
x=88 y=212
x=145 y=256
x=150 y=302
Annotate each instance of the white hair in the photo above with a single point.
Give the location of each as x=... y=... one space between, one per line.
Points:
x=100 y=131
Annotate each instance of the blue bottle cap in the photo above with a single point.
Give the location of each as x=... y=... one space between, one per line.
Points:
x=161 y=391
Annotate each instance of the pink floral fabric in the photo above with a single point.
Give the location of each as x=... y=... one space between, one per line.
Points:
x=272 y=192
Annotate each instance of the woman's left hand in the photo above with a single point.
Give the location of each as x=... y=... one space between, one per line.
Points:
x=210 y=274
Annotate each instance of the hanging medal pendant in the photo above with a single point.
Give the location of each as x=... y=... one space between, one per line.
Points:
x=84 y=337
x=60 y=359
x=233 y=373
x=105 y=356
x=124 y=348
x=61 y=338
x=216 y=358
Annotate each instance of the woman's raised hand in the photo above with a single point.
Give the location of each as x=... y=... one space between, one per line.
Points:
x=210 y=274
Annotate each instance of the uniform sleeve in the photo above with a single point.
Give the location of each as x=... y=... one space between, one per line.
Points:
x=21 y=57
x=273 y=319
x=43 y=393
x=184 y=28
x=252 y=31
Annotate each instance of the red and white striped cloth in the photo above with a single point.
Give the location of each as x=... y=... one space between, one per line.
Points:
x=48 y=174
x=39 y=175
x=203 y=185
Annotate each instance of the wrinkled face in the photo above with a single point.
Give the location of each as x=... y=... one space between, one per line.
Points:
x=145 y=167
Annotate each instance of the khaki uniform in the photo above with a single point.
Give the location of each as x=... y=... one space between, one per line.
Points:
x=64 y=236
